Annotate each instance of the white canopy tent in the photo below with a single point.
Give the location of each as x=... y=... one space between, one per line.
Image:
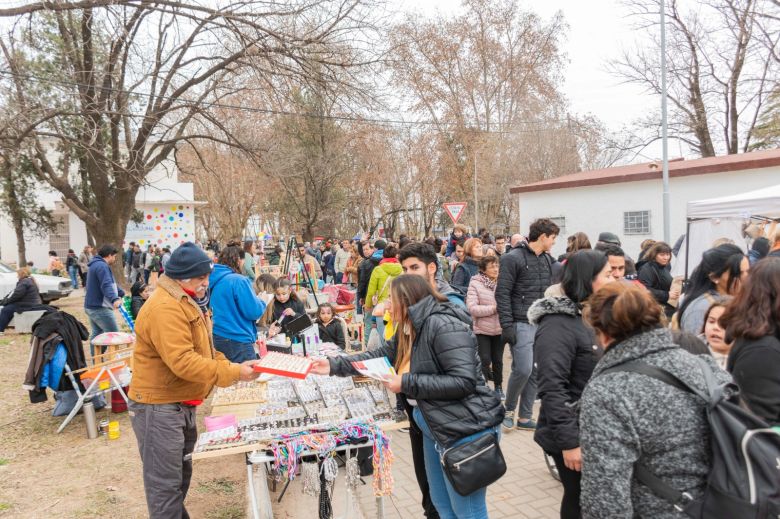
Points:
x=723 y=217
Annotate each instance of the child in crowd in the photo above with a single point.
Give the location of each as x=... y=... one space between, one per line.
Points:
x=139 y=292
x=714 y=335
x=264 y=284
x=331 y=329
x=283 y=308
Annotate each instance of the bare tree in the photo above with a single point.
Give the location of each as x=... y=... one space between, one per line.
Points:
x=131 y=81
x=488 y=78
x=720 y=70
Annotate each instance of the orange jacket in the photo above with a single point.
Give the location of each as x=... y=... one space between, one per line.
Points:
x=174 y=358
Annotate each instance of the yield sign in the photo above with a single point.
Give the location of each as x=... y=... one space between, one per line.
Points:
x=455 y=210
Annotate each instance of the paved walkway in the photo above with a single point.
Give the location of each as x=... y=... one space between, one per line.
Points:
x=527 y=490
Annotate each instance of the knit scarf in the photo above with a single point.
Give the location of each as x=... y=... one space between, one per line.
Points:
x=490 y=283
x=203 y=302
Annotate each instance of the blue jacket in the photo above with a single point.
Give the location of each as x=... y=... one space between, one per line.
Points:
x=102 y=289
x=235 y=306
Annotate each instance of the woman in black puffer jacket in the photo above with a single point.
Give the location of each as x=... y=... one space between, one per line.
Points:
x=565 y=354
x=435 y=357
x=657 y=279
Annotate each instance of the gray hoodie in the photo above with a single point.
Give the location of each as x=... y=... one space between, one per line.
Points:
x=628 y=417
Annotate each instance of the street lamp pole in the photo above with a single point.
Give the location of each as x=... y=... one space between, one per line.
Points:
x=664 y=127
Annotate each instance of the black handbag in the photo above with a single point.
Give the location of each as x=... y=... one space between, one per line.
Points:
x=474 y=465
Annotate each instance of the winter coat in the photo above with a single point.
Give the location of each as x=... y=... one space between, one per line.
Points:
x=379 y=284
x=249 y=266
x=277 y=309
x=522 y=279
x=25 y=294
x=340 y=263
x=102 y=289
x=328 y=262
x=174 y=358
x=84 y=260
x=658 y=280
x=692 y=320
x=445 y=375
x=365 y=270
x=628 y=417
x=754 y=365
x=465 y=270
x=481 y=303
x=274 y=258
x=565 y=354
x=234 y=304
x=71 y=260
x=333 y=332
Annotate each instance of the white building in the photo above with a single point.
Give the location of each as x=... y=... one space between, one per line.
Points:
x=168 y=208
x=628 y=200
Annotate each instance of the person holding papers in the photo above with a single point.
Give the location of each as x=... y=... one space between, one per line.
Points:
x=436 y=366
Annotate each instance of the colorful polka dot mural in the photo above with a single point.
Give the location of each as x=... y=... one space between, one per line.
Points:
x=163 y=226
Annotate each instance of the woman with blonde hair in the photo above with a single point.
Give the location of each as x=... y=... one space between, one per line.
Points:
x=24 y=297
x=434 y=355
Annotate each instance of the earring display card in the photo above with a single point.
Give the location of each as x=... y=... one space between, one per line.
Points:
x=241 y=393
x=291 y=366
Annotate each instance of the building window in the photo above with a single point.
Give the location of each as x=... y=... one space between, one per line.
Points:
x=636 y=222
x=560 y=221
x=59 y=238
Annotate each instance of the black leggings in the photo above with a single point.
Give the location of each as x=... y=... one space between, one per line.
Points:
x=491 y=355
x=570 y=504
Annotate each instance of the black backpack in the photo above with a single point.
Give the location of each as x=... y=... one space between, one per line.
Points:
x=744 y=479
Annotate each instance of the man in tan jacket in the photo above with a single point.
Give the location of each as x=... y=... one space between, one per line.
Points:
x=175 y=366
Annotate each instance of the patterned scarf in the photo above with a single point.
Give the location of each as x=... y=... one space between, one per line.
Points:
x=203 y=303
x=490 y=283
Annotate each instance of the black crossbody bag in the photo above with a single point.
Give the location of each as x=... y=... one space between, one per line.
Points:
x=474 y=465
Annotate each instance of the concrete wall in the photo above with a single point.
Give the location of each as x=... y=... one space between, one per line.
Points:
x=594 y=209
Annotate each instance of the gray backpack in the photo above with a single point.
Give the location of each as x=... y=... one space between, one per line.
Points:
x=744 y=480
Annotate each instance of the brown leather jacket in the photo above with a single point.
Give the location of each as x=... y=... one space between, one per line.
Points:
x=174 y=358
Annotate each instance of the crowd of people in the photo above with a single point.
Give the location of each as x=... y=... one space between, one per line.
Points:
x=444 y=313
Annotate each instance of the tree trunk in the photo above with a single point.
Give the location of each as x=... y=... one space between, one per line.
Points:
x=15 y=212
x=21 y=247
x=111 y=231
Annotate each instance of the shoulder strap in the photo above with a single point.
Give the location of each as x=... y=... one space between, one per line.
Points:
x=652 y=372
x=388 y=280
x=679 y=499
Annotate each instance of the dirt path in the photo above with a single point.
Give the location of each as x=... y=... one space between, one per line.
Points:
x=44 y=474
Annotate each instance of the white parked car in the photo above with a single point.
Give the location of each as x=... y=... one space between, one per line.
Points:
x=50 y=287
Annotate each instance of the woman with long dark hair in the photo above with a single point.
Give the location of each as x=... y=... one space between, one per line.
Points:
x=752 y=321
x=235 y=307
x=437 y=370
x=628 y=418
x=565 y=355
x=655 y=275
x=720 y=273
x=283 y=308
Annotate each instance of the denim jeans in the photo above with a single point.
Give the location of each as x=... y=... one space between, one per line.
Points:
x=522 y=379
x=73 y=272
x=165 y=433
x=446 y=499
x=101 y=320
x=235 y=351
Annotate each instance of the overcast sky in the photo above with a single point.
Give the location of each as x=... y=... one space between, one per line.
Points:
x=598 y=31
